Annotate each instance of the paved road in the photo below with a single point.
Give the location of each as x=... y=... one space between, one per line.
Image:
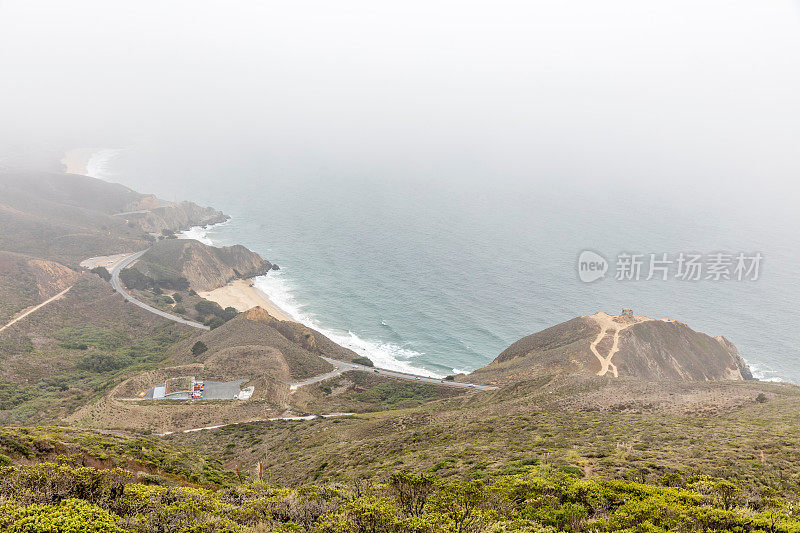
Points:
x=343 y=366
x=120 y=289
x=139 y=212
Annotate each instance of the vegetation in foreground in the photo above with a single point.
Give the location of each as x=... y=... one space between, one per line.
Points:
x=61 y=494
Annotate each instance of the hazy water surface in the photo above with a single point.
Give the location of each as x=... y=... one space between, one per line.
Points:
x=442 y=277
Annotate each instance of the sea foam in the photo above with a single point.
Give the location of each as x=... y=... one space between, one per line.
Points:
x=279 y=288
x=763 y=373
x=198 y=233
x=100 y=164
x=384 y=355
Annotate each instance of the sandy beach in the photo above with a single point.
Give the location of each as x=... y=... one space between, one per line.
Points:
x=242 y=295
x=76 y=160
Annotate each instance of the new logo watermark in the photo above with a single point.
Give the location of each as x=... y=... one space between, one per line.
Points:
x=591 y=266
x=683 y=266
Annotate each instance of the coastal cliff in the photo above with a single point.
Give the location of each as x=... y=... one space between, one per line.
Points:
x=171 y=217
x=204 y=267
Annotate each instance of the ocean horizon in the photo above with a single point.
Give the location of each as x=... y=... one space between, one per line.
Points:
x=434 y=280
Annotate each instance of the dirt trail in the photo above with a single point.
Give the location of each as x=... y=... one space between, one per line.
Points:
x=616 y=323
x=36 y=308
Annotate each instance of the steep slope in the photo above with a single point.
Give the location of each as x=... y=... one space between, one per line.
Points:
x=618 y=346
x=204 y=267
x=25 y=282
x=300 y=347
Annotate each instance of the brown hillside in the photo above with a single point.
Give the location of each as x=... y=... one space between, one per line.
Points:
x=25 y=282
x=204 y=267
x=618 y=346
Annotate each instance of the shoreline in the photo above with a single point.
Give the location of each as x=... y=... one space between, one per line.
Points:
x=243 y=295
x=76 y=161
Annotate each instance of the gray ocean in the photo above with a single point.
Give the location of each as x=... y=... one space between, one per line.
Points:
x=439 y=275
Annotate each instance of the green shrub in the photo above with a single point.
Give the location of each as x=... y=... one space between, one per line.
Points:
x=70 y=516
x=88 y=335
x=133 y=279
x=207 y=307
x=412 y=491
x=101 y=362
x=215 y=322
x=398 y=394
x=102 y=272
x=572 y=470
x=199 y=348
x=366 y=361
x=49 y=483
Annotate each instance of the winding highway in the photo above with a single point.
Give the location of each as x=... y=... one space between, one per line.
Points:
x=125 y=294
x=341 y=366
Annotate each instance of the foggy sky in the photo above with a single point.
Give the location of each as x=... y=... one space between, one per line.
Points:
x=703 y=93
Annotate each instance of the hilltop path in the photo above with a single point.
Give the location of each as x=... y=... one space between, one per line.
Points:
x=617 y=323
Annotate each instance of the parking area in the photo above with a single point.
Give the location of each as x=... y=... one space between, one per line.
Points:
x=191 y=388
x=107 y=261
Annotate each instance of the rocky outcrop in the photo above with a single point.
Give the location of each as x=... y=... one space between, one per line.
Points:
x=741 y=364
x=623 y=346
x=204 y=267
x=174 y=217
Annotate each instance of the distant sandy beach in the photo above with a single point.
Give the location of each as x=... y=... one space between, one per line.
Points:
x=242 y=295
x=76 y=160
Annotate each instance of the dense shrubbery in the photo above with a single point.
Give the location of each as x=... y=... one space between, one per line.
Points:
x=111 y=350
x=199 y=348
x=543 y=499
x=398 y=394
x=134 y=279
x=213 y=313
x=72 y=515
x=102 y=272
x=81 y=446
x=366 y=361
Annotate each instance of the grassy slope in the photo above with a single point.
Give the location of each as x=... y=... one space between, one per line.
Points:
x=548 y=422
x=25 y=282
x=72 y=350
x=65 y=218
x=137 y=485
